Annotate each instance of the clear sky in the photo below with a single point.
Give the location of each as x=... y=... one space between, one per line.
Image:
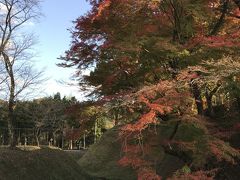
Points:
x=54 y=39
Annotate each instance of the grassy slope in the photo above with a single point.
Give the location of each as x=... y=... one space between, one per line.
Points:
x=41 y=164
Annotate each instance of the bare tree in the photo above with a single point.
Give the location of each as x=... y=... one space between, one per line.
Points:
x=18 y=75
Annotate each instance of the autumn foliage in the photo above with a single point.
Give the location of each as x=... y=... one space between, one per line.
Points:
x=160 y=59
x=161 y=99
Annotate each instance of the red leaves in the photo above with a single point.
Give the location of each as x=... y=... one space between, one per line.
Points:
x=132 y=149
x=187 y=75
x=147 y=173
x=223 y=152
x=227 y=40
x=132 y=161
x=150 y=28
x=160 y=106
x=144 y=170
x=73 y=134
x=198 y=175
x=236 y=12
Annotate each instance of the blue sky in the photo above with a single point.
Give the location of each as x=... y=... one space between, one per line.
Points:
x=54 y=39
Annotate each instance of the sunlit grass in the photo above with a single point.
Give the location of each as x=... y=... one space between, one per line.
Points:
x=31 y=148
x=28 y=148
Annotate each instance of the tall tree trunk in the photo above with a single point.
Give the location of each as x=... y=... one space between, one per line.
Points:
x=37 y=132
x=10 y=130
x=11 y=103
x=11 y=118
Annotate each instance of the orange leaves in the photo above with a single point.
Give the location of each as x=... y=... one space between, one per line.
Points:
x=153 y=100
x=141 y=124
x=151 y=92
x=103 y=5
x=162 y=109
x=187 y=75
x=162 y=105
x=149 y=96
x=145 y=120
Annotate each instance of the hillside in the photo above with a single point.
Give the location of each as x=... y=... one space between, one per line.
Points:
x=205 y=153
x=38 y=165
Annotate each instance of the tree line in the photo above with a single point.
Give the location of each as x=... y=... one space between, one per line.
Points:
x=52 y=120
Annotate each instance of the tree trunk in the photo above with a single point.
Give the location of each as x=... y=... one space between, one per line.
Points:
x=11 y=125
x=116 y=118
x=84 y=141
x=10 y=132
x=62 y=140
x=209 y=94
x=19 y=137
x=11 y=103
x=220 y=21
x=37 y=140
x=209 y=105
x=197 y=96
x=71 y=145
x=95 y=131
x=238 y=103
